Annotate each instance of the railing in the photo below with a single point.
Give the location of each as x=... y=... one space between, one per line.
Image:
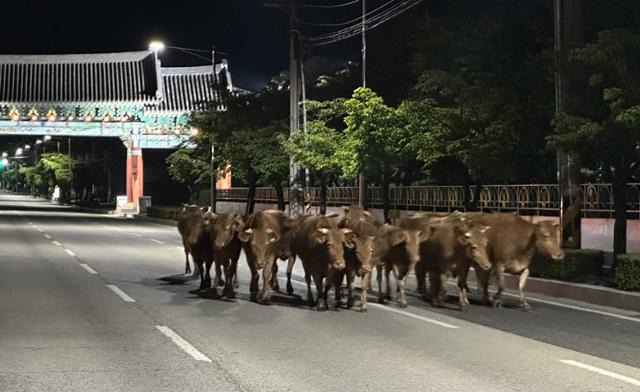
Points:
x=534 y=199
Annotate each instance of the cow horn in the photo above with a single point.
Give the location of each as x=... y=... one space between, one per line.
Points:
x=249 y=231
x=323 y=230
x=467 y=234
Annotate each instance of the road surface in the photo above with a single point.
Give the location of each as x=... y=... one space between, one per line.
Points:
x=85 y=305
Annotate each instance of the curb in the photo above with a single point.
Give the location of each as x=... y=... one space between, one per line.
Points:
x=595 y=295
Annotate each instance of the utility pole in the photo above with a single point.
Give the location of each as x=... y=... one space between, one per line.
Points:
x=362 y=185
x=568 y=33
x=296 y=176
x=70 y=174
x=212 y=176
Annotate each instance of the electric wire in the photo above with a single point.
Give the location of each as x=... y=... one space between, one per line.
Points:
x=388 y=3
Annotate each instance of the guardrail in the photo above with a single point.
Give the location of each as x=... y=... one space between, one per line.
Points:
x=535 y=199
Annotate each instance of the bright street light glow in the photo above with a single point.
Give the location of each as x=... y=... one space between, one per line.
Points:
x=18 y=151
x=47 y=138
x=4 y=154
x=27 y=146
x=156 y=46
x=195 y=132
x=38 y=141
x=5 y=162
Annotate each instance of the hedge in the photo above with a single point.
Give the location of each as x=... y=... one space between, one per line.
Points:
x=164 y=212
x=628 y=272
x=577 y=264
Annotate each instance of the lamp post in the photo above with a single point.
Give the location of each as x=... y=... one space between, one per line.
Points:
x=158 y=46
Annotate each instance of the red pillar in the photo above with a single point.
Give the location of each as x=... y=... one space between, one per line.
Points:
x=135 y=180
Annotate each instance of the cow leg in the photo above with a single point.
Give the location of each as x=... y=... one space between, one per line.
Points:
x=187 y=266
x=387 y=273
x=401 y=274
x=228 y=279
x=218 y=279
x=379 y=279
x=290 y=263
x=483 y=278
x=435 y=283
x=253 y=286
x=234 y=272
x=420 y=272
x=463 y=289
x=307 y=278
x=207 y=274
x=267 y=271
x=521 y=283
x=338 y=277
x=366 y=282
x=497 y=297
x=322 y=301
x=351 y=275
x=274 y=277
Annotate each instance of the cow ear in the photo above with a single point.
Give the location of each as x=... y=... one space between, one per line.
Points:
x=238 y=223
x=320 y=236
x=484 y=229
x=349 y=238
x=272 y=235
x=204 y=209
x=556 y=224
x=245 y=236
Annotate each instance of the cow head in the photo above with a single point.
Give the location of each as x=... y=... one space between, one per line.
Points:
x=364 y=253
x=224 y=228
x=334 y=241
x=410 y=240
x=194 y=217
x=474 y=240
x=260 y=245
x=547 y=239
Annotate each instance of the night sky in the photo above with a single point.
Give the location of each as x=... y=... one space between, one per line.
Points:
x=255 y=37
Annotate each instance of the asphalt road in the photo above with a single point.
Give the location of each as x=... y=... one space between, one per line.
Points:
x=85 y=306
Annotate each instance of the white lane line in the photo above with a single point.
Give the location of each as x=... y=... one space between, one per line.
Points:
x=120 y=293
x=402 y=312
x=156 y=241
x=89 y=269
x=415 y=316
x=70 y=252
x=56 y=243
x=136 y=234
x=40 y=230
x=47 y=236
x=567 y=306
x=183 y=344
x=603 y=372
x=180 y=247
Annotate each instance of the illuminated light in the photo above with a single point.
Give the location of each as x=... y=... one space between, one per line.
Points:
x=33 y=115
x=88 y=117
x=14 y=114
x=126 y=117
x=5 y=162
x=70 y=117
x=195 y=132
x=27 y=146
x=5 y=154
x=18 y=151
x=38 y=142
x=107 y=117
x=52 y=115
x=156 y=46
x=47 y=138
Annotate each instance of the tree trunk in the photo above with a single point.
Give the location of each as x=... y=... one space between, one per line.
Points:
x=473 y=206
x=214 y=195
x=323 y=193
x=251 y=197
x=386 y=205
x=280 y=196
x=620 y=199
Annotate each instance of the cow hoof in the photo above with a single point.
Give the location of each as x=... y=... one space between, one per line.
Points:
x=363 y=308
x=276 y=287
x=380 y=299
x=236 y=284
x=322 y=307
x=350 y=303
x=525 y=307
x=496 y=303
x=402 y=304
x=289 y=290
x=254 y=297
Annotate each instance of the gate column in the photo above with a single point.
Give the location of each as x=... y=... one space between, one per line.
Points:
x=135 y=179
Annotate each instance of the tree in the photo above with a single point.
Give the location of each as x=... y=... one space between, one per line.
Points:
x=607 y=125
x=185 y=166
x=375 y=140
x=36 y=177
x=58 y=165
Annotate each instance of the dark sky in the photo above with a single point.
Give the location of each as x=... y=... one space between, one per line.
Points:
x=255 y=37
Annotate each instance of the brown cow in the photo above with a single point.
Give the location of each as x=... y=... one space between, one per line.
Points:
x=455 y=242
x=320 y=243
x=223 y=230
x=284 y=251
x=398 y=250
x=260 y=243
x=196 y=241
x=512 y=244
x=356 y=214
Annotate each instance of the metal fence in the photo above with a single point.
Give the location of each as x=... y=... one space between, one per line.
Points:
x=534 y=199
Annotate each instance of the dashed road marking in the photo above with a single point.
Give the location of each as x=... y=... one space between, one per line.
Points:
x=183 y=344
x=120 y=293
x=40 y=230
x=136 y=234
x=70 y=252
x=156 y=241
x=603 y=372
x=56 y=243
x=47 y=236
x=89 y=269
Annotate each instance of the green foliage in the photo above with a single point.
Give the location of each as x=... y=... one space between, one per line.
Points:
x=577 y=265
x=185 y=166
x=628 y=272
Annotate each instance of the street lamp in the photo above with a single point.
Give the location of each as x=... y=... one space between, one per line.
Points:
x=158 y=46
x=18 y=151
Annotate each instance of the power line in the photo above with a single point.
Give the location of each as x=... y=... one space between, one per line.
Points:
x=330 y=6
x=371 y=23
x=354 y=20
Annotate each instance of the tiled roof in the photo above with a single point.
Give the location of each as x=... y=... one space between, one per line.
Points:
x=130 y=76
x=187 y=89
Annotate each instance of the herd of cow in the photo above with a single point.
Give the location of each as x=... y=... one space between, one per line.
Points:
x=354 y=244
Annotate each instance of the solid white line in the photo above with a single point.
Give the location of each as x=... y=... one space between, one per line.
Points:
x=603 y=372
x=56 y=243
x=136 y=234
x=40 y=230
x=183 y=344
x=156 y=241
x=415 y=316
x=567 y=306
x=402 y=312
x=180 y=247
x=47 y=236
x=89 y=269
x=70 y=253
x=120 y=293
